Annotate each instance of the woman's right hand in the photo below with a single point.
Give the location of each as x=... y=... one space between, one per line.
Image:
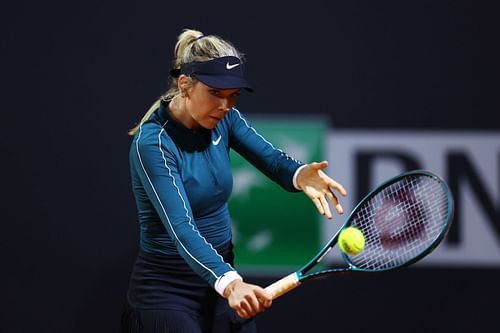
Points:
x=247 y=299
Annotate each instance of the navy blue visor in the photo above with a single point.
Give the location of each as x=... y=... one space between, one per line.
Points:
x=220 y=73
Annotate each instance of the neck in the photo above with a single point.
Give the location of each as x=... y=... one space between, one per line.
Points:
x=178 y=110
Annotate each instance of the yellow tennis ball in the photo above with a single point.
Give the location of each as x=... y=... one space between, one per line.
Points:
x=351 y=241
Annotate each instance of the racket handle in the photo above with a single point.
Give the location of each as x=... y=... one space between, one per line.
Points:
x=284 y=285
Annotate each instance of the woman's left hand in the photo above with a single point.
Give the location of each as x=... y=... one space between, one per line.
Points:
x=318 y=186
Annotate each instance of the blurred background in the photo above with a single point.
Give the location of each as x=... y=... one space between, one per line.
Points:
x=377 y=87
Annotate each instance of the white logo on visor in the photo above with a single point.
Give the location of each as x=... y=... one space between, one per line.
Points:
x=229 y=66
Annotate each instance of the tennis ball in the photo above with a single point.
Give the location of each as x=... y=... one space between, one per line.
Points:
x=351 y=241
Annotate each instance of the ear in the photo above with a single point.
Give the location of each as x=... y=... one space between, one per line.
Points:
x=183 y=83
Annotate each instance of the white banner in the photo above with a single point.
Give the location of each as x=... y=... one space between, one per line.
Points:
x=468 y=161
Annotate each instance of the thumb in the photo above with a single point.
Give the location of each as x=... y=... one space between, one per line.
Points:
x=264 y=296
x=320 y=165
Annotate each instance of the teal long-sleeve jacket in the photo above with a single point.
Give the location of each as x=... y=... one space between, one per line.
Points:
x=181 y=180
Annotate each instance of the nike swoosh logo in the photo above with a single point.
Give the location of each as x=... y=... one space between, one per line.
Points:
x=216 y=142
x=229 y=66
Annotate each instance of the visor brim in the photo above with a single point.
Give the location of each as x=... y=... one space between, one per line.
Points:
x=224 y=82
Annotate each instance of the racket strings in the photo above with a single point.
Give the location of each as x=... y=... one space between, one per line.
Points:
x=400 y=222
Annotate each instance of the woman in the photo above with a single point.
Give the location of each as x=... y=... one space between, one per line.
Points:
x=183 y=279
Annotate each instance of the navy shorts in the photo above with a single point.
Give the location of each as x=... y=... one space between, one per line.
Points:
x=165 y=295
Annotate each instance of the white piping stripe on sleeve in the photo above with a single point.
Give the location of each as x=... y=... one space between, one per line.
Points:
x=184 y=204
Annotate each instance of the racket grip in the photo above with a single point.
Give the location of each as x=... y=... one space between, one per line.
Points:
x=283 y=285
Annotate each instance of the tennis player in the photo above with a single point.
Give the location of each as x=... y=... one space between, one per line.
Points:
x=183 y=279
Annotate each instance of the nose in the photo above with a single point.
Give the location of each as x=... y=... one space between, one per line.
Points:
x=226 y=105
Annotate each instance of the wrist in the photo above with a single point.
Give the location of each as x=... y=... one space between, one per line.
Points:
x=225 y=280
x=228 y=291
x=296 y=175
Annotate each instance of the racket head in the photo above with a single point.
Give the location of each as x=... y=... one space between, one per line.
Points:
x=403 y=219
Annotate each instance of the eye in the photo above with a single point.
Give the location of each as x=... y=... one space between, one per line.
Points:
x=214 y=92
x=236 y=94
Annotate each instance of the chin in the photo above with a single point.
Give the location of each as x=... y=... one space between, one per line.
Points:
x=211 y=124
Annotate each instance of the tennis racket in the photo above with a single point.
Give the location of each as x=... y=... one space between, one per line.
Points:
x=403 y=220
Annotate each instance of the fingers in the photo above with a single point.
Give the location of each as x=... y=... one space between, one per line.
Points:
x=250 y=306
x=319 y=200
x=319 y=206
x=338 y=187
x=333 y=198
x=242 y=313
x=249 y=300
x=326 y=207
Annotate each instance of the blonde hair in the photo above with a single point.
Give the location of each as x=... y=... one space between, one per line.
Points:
x=192 y=45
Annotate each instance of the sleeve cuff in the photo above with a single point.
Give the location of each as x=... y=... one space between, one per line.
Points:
x=295 y=176
x=225 y=279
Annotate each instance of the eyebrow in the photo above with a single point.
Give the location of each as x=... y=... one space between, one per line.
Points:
x=236 y=91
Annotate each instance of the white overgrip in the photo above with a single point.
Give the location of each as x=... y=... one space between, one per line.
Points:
x=283 y=285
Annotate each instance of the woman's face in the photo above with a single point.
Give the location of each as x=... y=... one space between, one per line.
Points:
x=206 y=106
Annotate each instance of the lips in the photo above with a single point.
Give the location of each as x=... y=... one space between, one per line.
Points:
x=217 y=118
